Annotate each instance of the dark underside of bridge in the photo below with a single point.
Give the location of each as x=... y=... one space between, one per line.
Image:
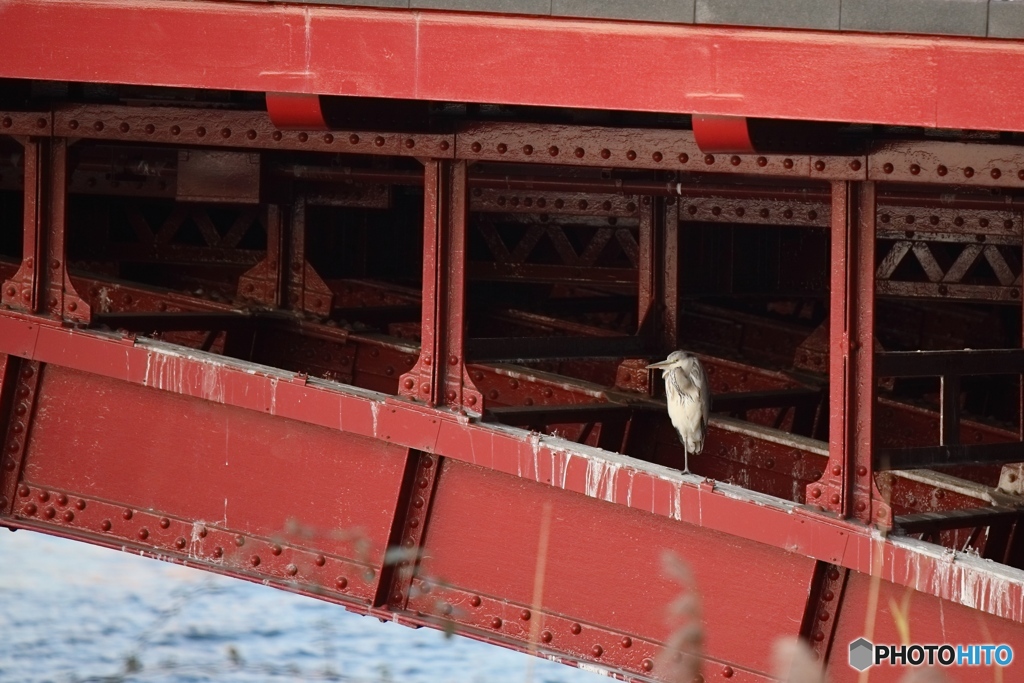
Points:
x=284 y=353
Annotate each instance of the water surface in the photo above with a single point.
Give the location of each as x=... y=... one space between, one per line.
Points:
x=75 y=613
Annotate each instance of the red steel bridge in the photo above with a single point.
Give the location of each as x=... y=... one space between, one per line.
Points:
x=356 y=302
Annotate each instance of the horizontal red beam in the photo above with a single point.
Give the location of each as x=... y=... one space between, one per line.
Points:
x=991 y=588
x=902 y=80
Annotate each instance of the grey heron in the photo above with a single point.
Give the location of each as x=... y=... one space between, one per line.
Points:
x=689 y=399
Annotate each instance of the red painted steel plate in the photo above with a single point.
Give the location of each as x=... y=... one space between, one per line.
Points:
x=609 y=566
x=231 y=467
x=926 y=81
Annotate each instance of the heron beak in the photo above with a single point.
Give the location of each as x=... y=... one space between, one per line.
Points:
x=659 y=365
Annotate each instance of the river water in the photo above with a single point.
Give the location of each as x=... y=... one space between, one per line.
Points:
x=75 y=613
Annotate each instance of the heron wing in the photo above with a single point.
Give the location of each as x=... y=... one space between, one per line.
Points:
x=699 y=379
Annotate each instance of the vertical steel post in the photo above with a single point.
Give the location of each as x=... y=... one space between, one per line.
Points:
x=670 y=292
x=439 y=376
x=847 y=486
x=42 y=283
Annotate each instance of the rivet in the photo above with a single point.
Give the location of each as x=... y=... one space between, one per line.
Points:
x=7 y=122
x=819 y=636
x=812 y=215
x=471 y=400
x=446 y=609
x=547 y=392
x=123 y=127
x=239 y=540
x=684 y=158
x=631 y=155
x=727 y=671
x=218 y=552
x=254 y=560
x=292 y=570
x=24 y=491
x=837 y=470
x=734 y=160
x=44 y=496
x=105 y=525
x=788 y=213
x=855 y=165
x=861 y=470
x=942 y=170
x=787 y=163
x=525 y=615
x=887 y=168
x=150 y=128
x=914 y=169
x=626 y=641
x=763 y=213
x=410 y=143
x=709 y=159
x=823 y=615
x=98 y=126
x=30 y=509
x=502 y=148
x=575 y=628
x=969 y=172
x=496 y=622
x=527 y=150
x=647 y=665
x=657 y=156
x=833 y=574
x=341 y=583
x=819 y=165
x=545 y=636
x=251 y=134
x=49 y=513
x=202 y=532
x=834 y=499
x=553 y=150
x=201 y=131
x=320 y=560
x=179 y=543
x=476 y=147
x=275 y=549
x=444 y=145
x=417 y=502
x=143 y=533
x=164 y=522
x=597 y=650
x=62 y=499
x=475 y=601
x=276 y=136
x=716 y=211
x=408 y=382
x=579 y=152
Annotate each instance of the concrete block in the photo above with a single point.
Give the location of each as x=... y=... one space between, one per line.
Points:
x=814 y=14
x=497 y=6
x=938 y=17
x=665 y=11
x=1006 y=19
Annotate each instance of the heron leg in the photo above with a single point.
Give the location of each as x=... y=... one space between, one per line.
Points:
x=686 y=460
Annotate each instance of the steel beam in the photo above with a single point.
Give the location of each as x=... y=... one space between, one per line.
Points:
x=931 y=81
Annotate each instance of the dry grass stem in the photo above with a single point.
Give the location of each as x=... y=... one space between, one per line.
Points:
x=681 y=657
x=793 y=661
